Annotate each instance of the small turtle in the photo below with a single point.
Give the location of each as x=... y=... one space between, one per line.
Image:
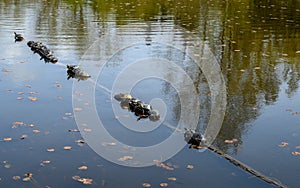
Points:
x=18 y=37
x=75 y=72
x=193 y=138
x=122 y=96
x=154 y=115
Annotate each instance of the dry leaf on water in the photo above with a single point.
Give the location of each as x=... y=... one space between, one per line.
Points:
x=172 y=179
x=50 y=149
x=16 y=177
x=82 y=168
x=189 y=166
x=295 y=153
x=36 y=131
x=32 y=98
x=283 y=144
x=146 y=185
x=125 y=158
x=67 y=147
x=85 y=181
x=7 y=139
x=163 y=184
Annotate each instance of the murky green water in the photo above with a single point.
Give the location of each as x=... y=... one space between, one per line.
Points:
x=256 y=43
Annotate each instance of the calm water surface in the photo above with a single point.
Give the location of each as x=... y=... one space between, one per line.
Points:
x=256 y=43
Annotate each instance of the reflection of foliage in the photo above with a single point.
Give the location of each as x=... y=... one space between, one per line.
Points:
x=251 y=40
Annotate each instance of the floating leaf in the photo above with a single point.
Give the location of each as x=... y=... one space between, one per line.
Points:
x=86 y=181
x=7 y=139
x=50 y=149
x=295 y=153
x=297 y=147
x=82 y=168
x=36 y=131
x=16 y=177
x=26 y=179
x=32 y=98
x=146 y=185
x=172 y=179
x=163 y=184
x=20 y=98
x=7 y=166
x=67 y=147
x=87 y=130
x=77 y=109
x=57 y=84
x=109 y=143
x=21 y=93
x=31 y=125
x=189 y=166
x=228 y=141
x=33 y=92
x=283 y=144
x=7 y=70
x=125 y=158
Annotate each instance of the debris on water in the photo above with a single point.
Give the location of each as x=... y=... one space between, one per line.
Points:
x=108 y=143
x=7 y=70
x=20 y=98
x=16 y=177
x=17 y=123
x=146 y=185
x=67 y=147
x=85 y=181
x=283 y=144
x=7 y=139
x=57 y=84
x=125 y=158
x=74 y=71
x=231 y=141
x=36 y=131
x=43 y=163
x=172 y=179
x=297 y=147
x=164 y=166
x=87 y=130
x=77 y=109
x=21 y=92
x=163 y=184
x=32 y=98
x=189 y=166
x=82 y=168
x=295 y=153
x=26 y=179
x=50 y=149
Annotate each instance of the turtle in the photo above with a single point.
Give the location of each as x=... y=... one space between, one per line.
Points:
x=193 y=138
x=122 y=96
x=18 y=37
x=154 y=115
x=74 y=71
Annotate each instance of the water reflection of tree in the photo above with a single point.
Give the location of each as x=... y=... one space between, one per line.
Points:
x=249 y=38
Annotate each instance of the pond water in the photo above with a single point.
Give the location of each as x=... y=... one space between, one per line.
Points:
x=255 y=43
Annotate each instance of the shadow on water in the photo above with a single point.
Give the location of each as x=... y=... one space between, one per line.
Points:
x=257 y=44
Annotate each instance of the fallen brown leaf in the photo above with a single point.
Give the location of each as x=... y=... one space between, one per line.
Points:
x=125 y=158
x=32 y=98
x=7 y=139
x=67 y=147
x=283 y=144
x=146 y=185
x=189 y=166
x=82 y=168
x=163 y=184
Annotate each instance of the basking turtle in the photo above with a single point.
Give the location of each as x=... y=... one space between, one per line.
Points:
x=193 y=138
x=18 y=37
x=154 y=115
x=74 y=71
x=123 y=96
x=138 y=107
